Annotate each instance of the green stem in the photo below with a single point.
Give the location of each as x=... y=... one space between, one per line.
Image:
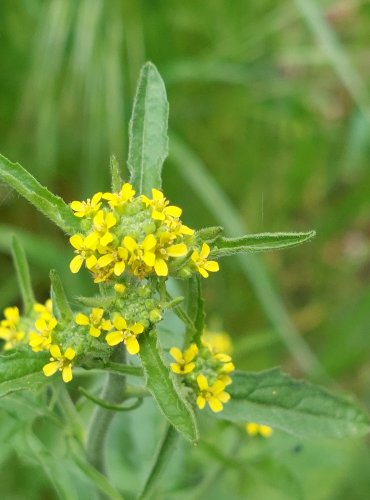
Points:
x=179 y=311
x=164 y=453
x=23 y=275
x=114 y=392
x=69 y=411
x=107 y=405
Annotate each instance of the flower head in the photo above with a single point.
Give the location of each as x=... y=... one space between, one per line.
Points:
x=126 y=334
x=160 y=206
x=120 y=199
x=103 y=222
x=214 y=395
x=61 y=362
x=184 y=360
x=84 y=248
x=88 y=207
x=9 y=328
x=204 y=266
x=41 y=338
x=95 y=320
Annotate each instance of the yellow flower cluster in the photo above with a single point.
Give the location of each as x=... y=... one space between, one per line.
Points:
x=141 y=235
x=205 y=370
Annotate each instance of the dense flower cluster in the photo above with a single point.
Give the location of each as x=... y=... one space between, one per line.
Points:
x=142 y=236
x=207 y=371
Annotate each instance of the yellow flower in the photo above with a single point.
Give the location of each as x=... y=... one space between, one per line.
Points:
x=84 y=208
x=203 y=265
x=9 y=328
x=11 y=336
x=164 y=252
x=184 y=359
x=118 y=257
x=61 y=362
x=141 y=253
x=119 y=199
x=44 y=311
x=102 y=223
x=96 y=321
x=126 y=334
x=254 y=429
x=214 y=395
x=85 y=248
x=219 y=342
x=41 y=339
x=177 y=228
x=11 y=317
x=161 y=207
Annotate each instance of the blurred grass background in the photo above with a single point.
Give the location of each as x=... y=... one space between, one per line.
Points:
x=270 y=117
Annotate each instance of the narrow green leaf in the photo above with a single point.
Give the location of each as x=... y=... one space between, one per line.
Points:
x=23 y=275
x=163 y=455
x=166 y=389
x=115 y=172
x=61 y=307
x=49 y=204
x=148 y=138
x=262 y=242
x=21 y=370
x=295 y=406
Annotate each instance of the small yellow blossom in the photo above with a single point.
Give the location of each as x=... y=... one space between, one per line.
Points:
x=103 y=222
x=44 y=311
x=85 y=248
x=120 y=199
x=253 y=429
x=9 y=328
x=185 y=363
x=219 y=342
x=203 y=265
x=161 y=207
x=141 y=253
x=126 y=334
x=214 y=395
x=164 y=251
x=61 y=362
x=116 y=257
x=177 y=228
x=88 y=207
x=95 y=320
x=41 y=339
x=11 y=315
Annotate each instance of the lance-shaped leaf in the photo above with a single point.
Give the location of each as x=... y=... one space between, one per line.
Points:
x=61 y=307
x=148 y=138
x=166 y=389
x=21 y=370
x=49 y=204
x=261 y=242
x=295 y=406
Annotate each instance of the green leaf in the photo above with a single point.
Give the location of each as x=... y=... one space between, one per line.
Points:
x=115 y=172
x=208 y=234
x=195 y=311
x=166 y=389
x=148 y=138
x=295 y=406
x=21 y=370
x=261 y=242
x=61 y=307
x=49 y=204
x=23 y=275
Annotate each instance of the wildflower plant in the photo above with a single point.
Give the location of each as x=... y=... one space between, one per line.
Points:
x=131 y=241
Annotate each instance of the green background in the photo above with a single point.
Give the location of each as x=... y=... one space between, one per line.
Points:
x=269 y=100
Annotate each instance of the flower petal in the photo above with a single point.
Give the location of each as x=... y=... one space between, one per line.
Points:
x=215 y=405
x=51 y=368
x=55 y=351
x=202 y=382
x=160 y=267
x=212 y=265
x=201 y=402
x=132 y=344
x=76 y=263
x=177 y=354
x=67 y=373
x=177 y=250
x=114 y=338
x=82 y=319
